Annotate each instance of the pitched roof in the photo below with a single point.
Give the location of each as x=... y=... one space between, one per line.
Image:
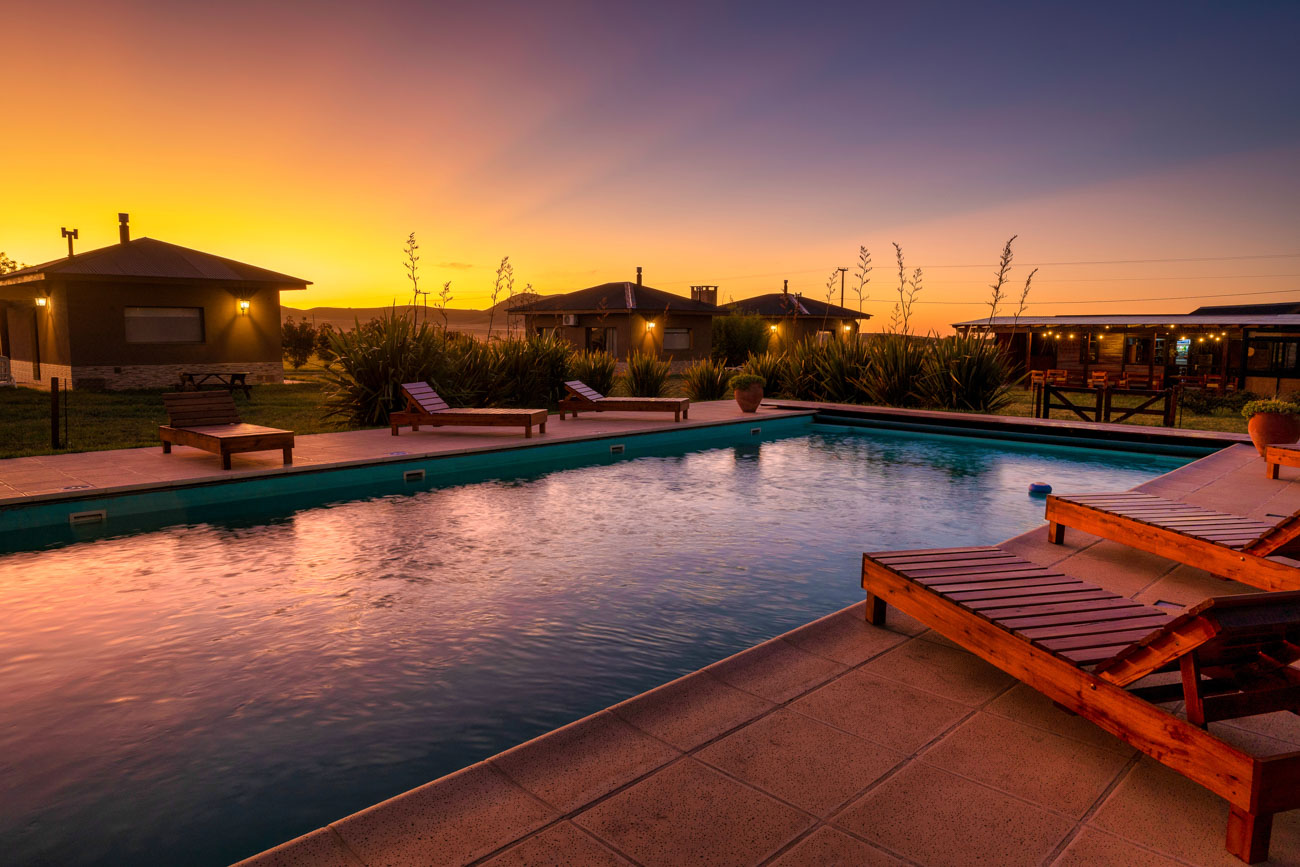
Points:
x=1248 y=309
x=613 y=297
x=1133 y=320
x=147 y=258
x=786 y=304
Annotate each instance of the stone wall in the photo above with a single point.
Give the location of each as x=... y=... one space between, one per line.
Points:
x=22 y=374
x=165 y=375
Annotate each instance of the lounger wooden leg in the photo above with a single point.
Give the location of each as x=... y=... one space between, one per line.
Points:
x=394 y=430
x=541 y=429
x=875 y=610
x=1190 y=667
x=686 y=413
x=288 y=456
x=677 y=415
x=1272 y=470
x=225 y=460
x=1248 y=835
x=1056 y=533
x=167 y=448
x=528 y=431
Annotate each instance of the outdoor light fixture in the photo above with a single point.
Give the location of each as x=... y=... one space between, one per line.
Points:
x=42 y=301
x=773 y=327
x=1071 y=336
x=649 y=325
x=243 y=306
x=847 y=327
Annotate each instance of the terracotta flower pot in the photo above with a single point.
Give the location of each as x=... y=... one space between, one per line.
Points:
x=749 y=398
x=1273 y=428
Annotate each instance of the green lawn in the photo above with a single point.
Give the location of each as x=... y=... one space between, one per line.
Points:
x=1229 y=421
x=128 y=419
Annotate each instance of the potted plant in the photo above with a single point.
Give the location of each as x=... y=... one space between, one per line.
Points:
x=1272 y=422
x=748 y=390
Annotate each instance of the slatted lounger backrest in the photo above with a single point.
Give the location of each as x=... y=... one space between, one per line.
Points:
x=581 y=389
x=200 y=408
x=422 y=395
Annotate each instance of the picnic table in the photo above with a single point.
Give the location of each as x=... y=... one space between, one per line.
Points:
x=229 y=381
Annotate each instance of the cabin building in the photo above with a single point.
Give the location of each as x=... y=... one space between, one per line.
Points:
x=140 y=313
x=624 y=318
x=1252 y=347
x=792 y=317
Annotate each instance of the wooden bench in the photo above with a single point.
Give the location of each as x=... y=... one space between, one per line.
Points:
x=1229 y=546
x=425 y=407
x=1087 y=649
x=583 y=398
x=1276 y=457
x=208 y=420
x=228 y=381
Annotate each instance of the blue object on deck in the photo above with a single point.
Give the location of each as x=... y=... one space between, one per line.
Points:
x=1039 y=488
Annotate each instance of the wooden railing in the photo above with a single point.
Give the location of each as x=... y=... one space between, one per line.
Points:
x=1100 y=407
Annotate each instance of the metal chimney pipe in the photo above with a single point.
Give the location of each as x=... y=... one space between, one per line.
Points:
x=123 y=230
x=785 y=289
x=638 y=275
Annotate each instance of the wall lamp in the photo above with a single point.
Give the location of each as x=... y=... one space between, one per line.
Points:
x=243 y=306
x=848 y=327
x=42 y=301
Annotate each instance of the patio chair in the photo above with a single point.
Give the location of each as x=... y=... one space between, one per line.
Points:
x=582 y=398
x=1087 y=649
x=1229 y=546
x=1276 y=457
x=425 y=407
x=1098 y=379
x=208 y=420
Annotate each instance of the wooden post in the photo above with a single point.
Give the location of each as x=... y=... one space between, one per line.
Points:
x=54 y=412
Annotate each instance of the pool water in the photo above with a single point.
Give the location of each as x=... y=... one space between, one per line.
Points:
x=196 y=693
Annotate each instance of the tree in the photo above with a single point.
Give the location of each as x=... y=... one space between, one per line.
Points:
x=325 y=344
x=297 y=340
x=7 y=264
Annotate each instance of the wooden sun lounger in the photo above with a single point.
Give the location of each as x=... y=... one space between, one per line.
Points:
x=582 y=398
x=208 y=420
x=425 y=407
x=1229 y=546
x=1276 y=457
x=1085 y=648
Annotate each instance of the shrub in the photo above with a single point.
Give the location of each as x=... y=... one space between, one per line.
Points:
x=706 y=379
x=1203 y=402
x=324 y=345
x=965 y=372
x=737 y=336
x=527 y=371
x=895 y=363
x=771 y=367
x=596 y=369
x=744 y=380
x=646 y=376
x=374 y=359
x=297 y=340
x=1256 y=407
x=830 y=371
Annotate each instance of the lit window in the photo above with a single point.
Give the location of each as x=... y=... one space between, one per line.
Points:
x=164 y=325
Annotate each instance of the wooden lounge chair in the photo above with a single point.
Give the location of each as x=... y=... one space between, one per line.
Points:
x=1086 y=648
x=1275 y=457
x=208 y=420
x=425 y=407
x=582 y=398
x=1229 y=546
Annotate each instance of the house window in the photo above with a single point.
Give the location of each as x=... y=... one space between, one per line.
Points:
x=164 y=325
x=603 y=340
x=677 y=338
x=1273 y=356
x=1139 y=350
x=1089 y=349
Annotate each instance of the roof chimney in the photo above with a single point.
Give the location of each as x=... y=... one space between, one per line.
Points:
x=123 y=230
x=638 y=275
x=785 y=288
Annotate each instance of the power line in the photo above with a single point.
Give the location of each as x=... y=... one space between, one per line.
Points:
x=1102 y=300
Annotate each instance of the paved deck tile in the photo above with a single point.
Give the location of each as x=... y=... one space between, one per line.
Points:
x=576 y=764
x=1092 y=848
x=845 y=637
x=936 y=818
x=454 y=820
x=1028 y=706
x=827 y=847
x=951 y=673
x=800 y=760
x=882 y=711
x=561 y=845
x=775 y=670
x=691 y=814
x=691 y=710
x=1057 y=773
x=321 y=848
x=1159 y=809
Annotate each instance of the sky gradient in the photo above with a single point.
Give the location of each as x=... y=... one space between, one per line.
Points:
x=725 y=143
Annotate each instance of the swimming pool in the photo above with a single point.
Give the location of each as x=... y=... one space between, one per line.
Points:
x=196 y=692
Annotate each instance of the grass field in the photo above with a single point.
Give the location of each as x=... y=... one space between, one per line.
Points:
x=130 y=419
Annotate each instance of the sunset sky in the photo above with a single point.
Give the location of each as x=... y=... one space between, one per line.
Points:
x=726 y=143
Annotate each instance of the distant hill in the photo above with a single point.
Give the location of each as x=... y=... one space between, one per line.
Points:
x=468 y=321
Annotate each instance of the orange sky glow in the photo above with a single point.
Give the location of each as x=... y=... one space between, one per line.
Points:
x=312 y=139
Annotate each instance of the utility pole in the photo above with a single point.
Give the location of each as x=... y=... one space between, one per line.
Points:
x=841 y=270
x=71 y=235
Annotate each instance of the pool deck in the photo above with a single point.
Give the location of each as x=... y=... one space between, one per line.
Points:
x=843 y=743
x=47 y=478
